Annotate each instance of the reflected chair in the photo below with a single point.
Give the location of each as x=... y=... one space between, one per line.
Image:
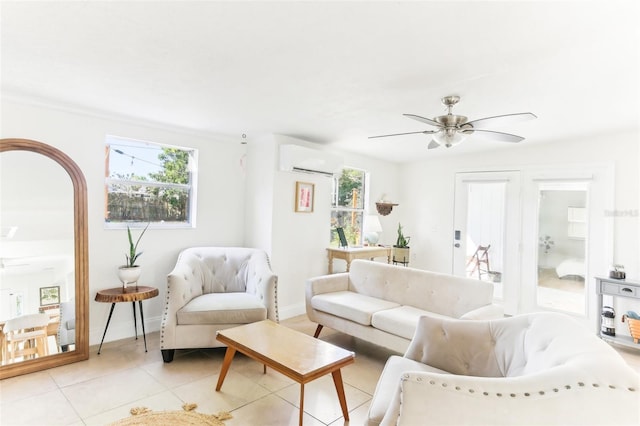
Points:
x=25 y=337
x=480 y=261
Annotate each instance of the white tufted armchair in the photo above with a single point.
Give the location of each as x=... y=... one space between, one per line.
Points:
x=213 y=288
x=534 y=369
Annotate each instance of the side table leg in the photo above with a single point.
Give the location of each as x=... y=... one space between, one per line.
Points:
x=113 y=305
x=135 y=325
x=144 y=335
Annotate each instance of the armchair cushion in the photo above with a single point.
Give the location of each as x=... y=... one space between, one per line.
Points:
x=222 y=308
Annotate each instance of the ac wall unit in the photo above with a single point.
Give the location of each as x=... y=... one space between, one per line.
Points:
x=297 y=158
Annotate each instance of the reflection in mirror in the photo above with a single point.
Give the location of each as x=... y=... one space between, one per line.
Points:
x=43 y=262
x=562 y=247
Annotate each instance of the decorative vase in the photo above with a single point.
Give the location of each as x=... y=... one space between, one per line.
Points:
x=129 y=275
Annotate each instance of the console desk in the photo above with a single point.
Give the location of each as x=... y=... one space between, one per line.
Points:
x=350 y=253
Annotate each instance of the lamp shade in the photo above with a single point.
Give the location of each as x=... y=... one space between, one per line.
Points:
x=371 y=228
x=372 y=224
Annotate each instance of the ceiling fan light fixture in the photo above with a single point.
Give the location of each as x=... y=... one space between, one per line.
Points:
x=448 y=137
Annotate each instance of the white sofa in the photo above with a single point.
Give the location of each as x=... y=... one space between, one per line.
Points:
x=214 y=288
x=381 y=303
x=534 y=369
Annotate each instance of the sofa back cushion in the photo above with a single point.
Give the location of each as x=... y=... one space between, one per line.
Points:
x=220 y=269
x=440 y=293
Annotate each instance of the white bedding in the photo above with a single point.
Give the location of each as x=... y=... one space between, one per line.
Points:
x=573 y=266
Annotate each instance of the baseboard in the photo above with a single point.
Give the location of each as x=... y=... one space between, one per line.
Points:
x=290 y=311
x=123 y=330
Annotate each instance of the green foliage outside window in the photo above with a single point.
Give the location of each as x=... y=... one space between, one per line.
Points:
x=348 y=206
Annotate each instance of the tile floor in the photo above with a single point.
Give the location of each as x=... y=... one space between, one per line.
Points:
x=104 y=388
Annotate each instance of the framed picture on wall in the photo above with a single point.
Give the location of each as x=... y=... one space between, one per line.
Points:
x=304 y=197
x=49 y=295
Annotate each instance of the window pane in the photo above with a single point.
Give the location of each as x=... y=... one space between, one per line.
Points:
x=351 y=189
x=148 y=182
x=126 y=203
x=351 y=222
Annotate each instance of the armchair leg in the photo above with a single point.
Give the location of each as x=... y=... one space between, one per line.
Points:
x=318 y=330
x=167 y=354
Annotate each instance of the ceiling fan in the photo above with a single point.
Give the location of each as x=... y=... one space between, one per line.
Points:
x=451 y=129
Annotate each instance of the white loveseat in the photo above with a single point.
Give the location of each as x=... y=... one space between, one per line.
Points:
x=382 y=303
x=534 y=369
x=214 y=288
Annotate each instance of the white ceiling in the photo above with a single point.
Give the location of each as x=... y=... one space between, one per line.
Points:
x=333 y=72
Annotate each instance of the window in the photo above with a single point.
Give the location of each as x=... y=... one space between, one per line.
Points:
x=149 y=182
x=347 y=205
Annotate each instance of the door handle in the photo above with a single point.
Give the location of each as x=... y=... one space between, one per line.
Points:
x=457 y=245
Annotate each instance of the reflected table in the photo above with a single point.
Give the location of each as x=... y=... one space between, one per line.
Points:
x=131 y=294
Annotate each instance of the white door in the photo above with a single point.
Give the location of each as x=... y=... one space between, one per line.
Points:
x=486 y=236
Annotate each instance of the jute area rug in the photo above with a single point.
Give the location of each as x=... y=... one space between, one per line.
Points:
x=142 y=416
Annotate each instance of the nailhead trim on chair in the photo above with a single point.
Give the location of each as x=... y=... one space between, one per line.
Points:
x=513 y=395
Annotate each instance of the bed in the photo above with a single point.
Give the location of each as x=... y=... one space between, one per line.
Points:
x=572 y=266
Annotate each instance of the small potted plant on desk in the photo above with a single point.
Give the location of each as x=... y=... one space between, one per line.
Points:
x=130 y=272
x=401 y=248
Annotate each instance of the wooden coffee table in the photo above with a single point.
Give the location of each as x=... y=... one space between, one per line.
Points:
x=294 y=354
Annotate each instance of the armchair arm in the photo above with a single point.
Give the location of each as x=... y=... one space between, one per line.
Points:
x=263 y=282
x=491 y=311
x=180 y=282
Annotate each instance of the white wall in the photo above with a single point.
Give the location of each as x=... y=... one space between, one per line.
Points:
x=221 y=198
x=298 y=241
x=431 y=185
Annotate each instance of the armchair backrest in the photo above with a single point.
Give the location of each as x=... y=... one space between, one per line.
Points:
x=517 y=346
x=222 y=269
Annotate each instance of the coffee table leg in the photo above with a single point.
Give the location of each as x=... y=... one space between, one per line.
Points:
x=228 y=357
x=301 y=403
x=337 y=380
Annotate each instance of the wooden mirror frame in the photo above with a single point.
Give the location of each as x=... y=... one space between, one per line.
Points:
x=81 y=250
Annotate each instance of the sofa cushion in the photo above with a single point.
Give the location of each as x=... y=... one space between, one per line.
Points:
x=388 y=388
x=401 y=321
x=349 y=305
x=222 y=308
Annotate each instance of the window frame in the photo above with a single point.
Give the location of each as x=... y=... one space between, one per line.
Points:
x=365 y=202
x=190 y=188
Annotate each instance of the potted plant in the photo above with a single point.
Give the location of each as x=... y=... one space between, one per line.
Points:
x=401 y=248
x=130 y=272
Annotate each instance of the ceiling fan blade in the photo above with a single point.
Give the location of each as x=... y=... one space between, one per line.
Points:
x=496 y=136
x=433 y=145
x=426 y=132
x=423 y=119
x=501 y=120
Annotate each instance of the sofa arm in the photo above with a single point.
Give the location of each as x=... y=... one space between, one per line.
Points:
x=565 y=395
x=324 y=284
x=491 y=311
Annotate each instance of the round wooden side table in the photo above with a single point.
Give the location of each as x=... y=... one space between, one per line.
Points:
x=129 y=294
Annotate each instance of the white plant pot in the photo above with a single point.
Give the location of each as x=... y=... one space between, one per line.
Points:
x=129 y=275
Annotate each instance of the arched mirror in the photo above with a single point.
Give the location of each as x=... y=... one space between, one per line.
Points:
x=43 y=258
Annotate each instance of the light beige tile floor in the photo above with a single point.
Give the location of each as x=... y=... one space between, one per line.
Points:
x=104 y=388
